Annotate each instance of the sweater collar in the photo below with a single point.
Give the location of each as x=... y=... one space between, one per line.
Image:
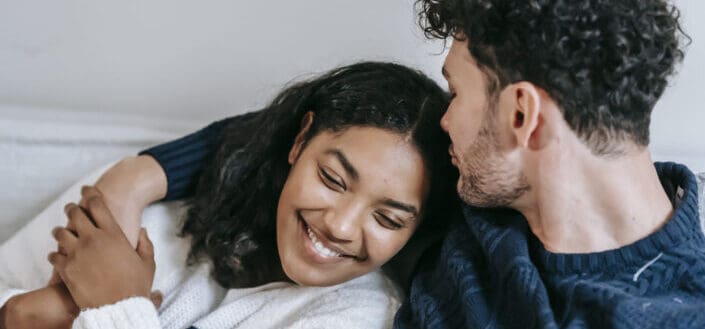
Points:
x=683 y=227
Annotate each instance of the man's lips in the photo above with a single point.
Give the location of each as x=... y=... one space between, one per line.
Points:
x=453 y=158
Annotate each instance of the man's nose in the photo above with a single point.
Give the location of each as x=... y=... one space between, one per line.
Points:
x=444 y=121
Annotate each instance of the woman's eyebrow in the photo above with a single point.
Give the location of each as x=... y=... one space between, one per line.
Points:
x=401 y=206
x=349 y=168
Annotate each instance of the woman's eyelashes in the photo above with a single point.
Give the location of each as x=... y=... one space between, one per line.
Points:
x=331 y=181
x=387 y=222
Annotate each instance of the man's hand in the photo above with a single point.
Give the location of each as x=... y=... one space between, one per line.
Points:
x=47 y=308
x=96 y=261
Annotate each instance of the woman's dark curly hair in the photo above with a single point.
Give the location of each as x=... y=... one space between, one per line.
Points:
x=232 y=218
x=605 y=62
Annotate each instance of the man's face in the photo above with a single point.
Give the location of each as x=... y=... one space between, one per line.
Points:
x=487 y=176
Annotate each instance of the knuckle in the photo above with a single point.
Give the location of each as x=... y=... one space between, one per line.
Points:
x=94 y=202
x=74 y=211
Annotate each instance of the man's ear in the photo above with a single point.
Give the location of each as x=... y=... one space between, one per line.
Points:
x=526 y=120
x=306 y=123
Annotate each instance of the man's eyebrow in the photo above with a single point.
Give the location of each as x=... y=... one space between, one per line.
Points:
x=445 y=72
x=401 y=206
x=349 y=168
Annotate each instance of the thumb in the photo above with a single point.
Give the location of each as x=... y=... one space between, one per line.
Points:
x=144 y=246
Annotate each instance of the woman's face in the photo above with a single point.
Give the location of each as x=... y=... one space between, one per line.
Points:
x=351 y=201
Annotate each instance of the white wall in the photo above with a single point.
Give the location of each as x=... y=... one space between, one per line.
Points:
x=678 y=122
x=201 y=60
x=193 y=59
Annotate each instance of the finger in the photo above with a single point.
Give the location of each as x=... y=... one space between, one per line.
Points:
x=58 y=261
x=101 y=215
x=79 y=219
x=157 y=298
x=88 y=192
x=66 y=240
x=145 y=248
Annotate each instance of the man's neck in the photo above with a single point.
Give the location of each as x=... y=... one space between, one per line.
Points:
x=584 y=206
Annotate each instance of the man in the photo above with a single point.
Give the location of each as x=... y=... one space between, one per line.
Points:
x=549 y=119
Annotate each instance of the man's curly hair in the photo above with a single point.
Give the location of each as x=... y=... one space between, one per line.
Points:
x=605 y=62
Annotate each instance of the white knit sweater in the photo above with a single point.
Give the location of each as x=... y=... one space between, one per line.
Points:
x=191 y=297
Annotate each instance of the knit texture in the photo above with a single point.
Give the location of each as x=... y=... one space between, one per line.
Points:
x=130 y=313
x=494 y=273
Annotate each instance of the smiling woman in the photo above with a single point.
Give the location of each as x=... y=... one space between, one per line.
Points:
x=327 y=184
x=350 y=203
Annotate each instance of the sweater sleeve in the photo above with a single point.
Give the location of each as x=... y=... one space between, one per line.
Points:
x=184 y=159
x=135 y=312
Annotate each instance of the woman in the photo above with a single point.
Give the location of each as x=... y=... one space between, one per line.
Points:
x=323 y=186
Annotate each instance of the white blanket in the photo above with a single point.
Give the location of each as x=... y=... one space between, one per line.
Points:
x=44 y=150
x=191 y=296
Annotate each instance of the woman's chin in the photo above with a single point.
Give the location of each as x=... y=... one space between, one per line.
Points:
x=307 y=275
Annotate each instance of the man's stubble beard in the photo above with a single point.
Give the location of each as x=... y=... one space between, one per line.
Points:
x=486 y=179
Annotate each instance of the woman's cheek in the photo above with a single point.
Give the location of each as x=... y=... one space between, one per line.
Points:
x=383 y=243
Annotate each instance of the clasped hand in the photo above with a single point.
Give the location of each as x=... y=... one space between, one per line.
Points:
x=96 y=261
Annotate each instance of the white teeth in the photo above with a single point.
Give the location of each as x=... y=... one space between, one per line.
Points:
x=318 y=245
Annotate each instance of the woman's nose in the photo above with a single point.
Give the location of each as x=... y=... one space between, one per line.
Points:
x=344 y=223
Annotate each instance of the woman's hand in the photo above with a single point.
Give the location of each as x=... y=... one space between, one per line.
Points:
x=127 y=189
x=47 y=308
x=96 y=261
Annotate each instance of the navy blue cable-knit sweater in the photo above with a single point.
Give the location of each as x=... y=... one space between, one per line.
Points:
x=493 y=273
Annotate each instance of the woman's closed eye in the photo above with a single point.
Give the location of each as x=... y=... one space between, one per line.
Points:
x=331 y=180
x=388 y=222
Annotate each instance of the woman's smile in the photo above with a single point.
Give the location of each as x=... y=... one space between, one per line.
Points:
x=317 y=248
